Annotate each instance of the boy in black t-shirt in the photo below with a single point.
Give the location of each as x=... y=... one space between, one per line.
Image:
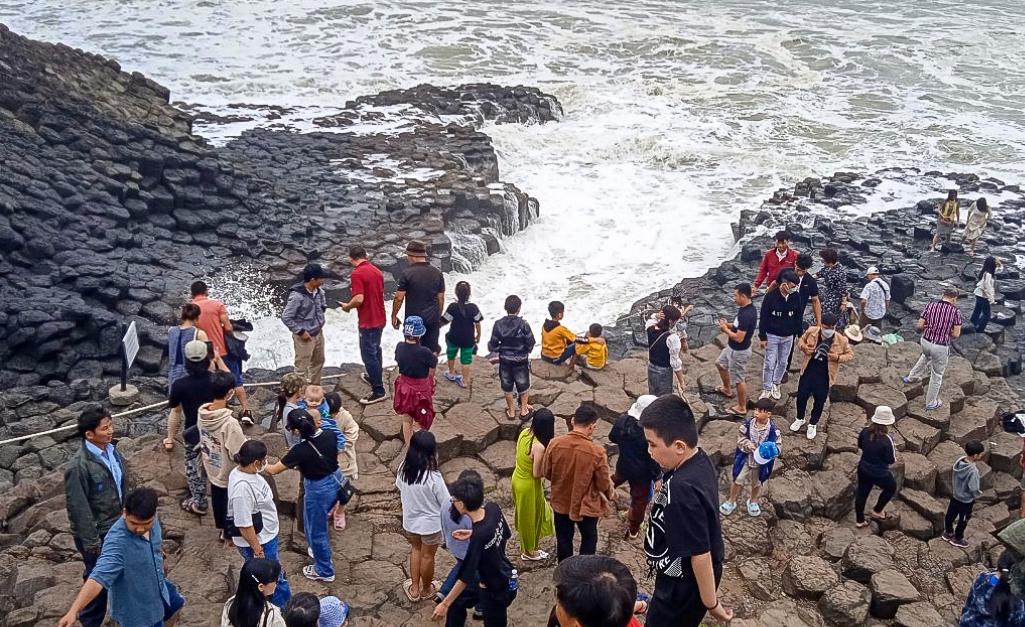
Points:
x=683 y=543
x=486 y=578
x=463 y=336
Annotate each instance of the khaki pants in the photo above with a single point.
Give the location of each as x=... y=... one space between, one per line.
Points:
x=309 y=357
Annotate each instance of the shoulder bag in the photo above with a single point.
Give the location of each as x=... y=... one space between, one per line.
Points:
x=231 y=531
x=345 y=489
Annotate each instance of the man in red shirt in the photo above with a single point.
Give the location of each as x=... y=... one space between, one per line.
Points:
x=213 y=320
x=368 y=301
x=777 y=258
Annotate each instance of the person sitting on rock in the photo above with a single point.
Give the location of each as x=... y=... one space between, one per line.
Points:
x=595 y=591
x=558 y=343
x=463 y=336
x=131 y=569
x=947 y=217
x=746 y=468
x=824 y=350
x=733 y=360
x=780 y=257
x=878 y=453
x=975 y=224
x=997 y=597
x=304 y=317
x=778 y=324
x=94 y=486
x=413 y=397
x=512 y=340
x=966 y=489
x=664 y=363
x=940 y=324
x=593 y=351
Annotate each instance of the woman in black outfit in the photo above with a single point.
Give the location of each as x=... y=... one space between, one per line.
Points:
x=877 y=455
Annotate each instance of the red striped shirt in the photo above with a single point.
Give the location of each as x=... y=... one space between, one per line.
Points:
x=940 y=319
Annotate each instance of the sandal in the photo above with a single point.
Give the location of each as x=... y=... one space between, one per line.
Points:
x=722 y=391
x=407 y=587
x=510 y=415
x=861 y=525
x=736 y=410
x=526 y=410
x=168 y=444
x=541 y=556
x=189 y=505
x=884 y=516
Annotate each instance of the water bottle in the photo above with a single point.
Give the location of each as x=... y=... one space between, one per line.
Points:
x=514 y=582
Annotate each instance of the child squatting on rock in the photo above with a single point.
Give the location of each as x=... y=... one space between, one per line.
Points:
x=757 y=450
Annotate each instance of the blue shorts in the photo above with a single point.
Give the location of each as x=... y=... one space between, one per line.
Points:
x=174 y=604
x=234 y=364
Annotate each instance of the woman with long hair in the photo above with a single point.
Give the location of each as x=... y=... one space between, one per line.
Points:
x=250 y=607
x=948 y=215
x=251 y=508
x=316 y=457
x=985 y=294
x=293 y=386
x=878 y=453
x=992 y=601
x=423 y=494
x=534 y=518
x=664 y=352
x=833 y=287
x=414 y=387
x=975 y=224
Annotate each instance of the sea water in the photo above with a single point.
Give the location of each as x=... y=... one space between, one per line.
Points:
x=678 y=113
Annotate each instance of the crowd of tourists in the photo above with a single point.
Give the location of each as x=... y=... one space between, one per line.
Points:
x=673 y=485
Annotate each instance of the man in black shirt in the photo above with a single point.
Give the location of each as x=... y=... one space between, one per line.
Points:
x=683 y=543
x=422 y=288
x=184 y=398
x=485 y=561
x=733 y=359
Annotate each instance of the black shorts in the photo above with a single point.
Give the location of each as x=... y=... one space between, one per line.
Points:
x=430 y=339
x=514 y=376
x=676 y=602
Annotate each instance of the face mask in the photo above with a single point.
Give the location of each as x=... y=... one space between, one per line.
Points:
x=828 y=333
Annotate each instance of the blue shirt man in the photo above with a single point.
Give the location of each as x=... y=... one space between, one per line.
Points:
x=131 y=569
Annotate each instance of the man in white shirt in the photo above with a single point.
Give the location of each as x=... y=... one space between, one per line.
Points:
x=875 y=298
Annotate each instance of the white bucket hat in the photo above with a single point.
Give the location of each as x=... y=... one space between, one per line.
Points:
x=640 y=404
x=883 y=416
x=853 y=333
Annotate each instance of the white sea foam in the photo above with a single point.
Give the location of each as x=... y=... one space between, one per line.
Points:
x=678 y=113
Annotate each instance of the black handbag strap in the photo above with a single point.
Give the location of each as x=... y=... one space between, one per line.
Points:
x=256 y=501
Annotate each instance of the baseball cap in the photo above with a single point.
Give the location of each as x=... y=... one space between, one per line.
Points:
x=871 y=270
x=196 y=350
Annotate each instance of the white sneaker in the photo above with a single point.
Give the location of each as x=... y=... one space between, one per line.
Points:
x=776 y=392
x=812 y=432
x=797 y=424
x=764 y=394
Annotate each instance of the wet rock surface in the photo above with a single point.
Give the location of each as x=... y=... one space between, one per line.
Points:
x=110 y=205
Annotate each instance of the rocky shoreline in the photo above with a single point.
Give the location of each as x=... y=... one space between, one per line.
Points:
x=110 y=205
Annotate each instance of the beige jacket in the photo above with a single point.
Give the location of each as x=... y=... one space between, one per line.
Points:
x=220 y=437
x=839 y=352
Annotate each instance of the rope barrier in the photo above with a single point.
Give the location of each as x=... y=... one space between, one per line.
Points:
x=139 y=410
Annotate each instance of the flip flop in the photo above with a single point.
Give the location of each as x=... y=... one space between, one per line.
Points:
x=722 y=391
x=526 y=410
x=885 y=516
x=736 y=410
x=190 y=506
x=861 y=525
x=510 y=415
x=168 y=444
x=407 y=587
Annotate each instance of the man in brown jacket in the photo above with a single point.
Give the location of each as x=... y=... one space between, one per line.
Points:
x=824 y=350
x=578 y=469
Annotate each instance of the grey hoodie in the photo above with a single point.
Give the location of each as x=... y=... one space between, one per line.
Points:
x=966 y=481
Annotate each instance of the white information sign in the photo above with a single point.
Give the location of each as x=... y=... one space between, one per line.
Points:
x=131 y=343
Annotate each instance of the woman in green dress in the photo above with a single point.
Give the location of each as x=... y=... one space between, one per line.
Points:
x=533 y=513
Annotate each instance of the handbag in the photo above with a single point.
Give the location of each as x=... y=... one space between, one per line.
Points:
x=345 y=489
x=231 y=531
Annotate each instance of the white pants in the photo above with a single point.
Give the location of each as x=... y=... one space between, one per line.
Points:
x=934 y=358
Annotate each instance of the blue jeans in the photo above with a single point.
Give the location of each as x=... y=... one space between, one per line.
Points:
x=370 y=352
x=175 y=604
x=981 y=314
x=321 y=496
x=777 y=351
x=270 y=551
x=450 y=582
x=566 y=355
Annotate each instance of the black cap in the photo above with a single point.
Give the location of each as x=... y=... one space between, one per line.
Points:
x=829 y=319
x=313 y=271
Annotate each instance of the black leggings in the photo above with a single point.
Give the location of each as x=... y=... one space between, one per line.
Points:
x=887 y=484
x=564 y=529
